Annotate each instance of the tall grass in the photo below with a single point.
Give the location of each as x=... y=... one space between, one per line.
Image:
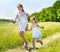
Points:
x=50 y=28
x=53 y=47
x=10 y=38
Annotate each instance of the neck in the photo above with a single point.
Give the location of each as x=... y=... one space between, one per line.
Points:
x=20 y=11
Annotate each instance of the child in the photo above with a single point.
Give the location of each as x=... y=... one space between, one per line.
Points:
x=21 y=18
x=36 y=33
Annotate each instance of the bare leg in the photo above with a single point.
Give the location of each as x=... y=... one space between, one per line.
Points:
x=33 y=42
x=23 y=38
x=37 y=40
x=27 y=28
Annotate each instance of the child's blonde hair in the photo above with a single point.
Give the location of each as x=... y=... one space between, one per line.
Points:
x=33 y=18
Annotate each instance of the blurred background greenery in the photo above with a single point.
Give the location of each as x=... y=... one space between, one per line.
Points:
x=49 y=14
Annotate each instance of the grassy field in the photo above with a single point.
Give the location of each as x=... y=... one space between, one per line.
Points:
x=53 y=47
x=10 y=38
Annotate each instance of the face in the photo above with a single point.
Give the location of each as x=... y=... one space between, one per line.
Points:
x=19 y=8
x=32 y=21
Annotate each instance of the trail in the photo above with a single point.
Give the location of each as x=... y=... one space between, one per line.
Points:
x=46 y=41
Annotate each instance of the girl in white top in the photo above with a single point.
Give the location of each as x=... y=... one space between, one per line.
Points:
x=21 y=19
x=36 y=33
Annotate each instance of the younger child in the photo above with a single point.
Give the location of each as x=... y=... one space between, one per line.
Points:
x=36 y=33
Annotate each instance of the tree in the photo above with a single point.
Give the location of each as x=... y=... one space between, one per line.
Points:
x=56 y=5
x=48 y=14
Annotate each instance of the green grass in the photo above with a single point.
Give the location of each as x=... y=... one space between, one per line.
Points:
x=50 y=28
x=53 y=47
x=10 y=38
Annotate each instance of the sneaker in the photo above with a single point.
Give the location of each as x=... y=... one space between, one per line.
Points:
x=41 y=42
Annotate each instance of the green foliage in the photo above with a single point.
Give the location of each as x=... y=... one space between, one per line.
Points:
x=51 y=14
x=5 y=20
x=56 y=5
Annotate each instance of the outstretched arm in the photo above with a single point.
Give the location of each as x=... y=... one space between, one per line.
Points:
x=41 y=26
x=14 y=21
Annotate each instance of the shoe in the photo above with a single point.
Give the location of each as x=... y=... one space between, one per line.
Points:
x=41 y=42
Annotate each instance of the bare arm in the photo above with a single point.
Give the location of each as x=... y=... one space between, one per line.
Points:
x=14 y=21
x=40 y=26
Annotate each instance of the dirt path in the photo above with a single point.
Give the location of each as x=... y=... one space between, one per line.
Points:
x=46 y=41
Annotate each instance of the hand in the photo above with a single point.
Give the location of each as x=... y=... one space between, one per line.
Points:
x=27 y=14
x=42 y=27
x=14 y=21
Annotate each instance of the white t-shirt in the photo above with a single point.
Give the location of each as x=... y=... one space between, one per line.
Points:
x=21 y=18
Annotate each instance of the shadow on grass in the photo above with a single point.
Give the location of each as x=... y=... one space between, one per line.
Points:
x=30 y=49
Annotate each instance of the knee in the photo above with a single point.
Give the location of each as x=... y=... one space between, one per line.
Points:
x=21 y=33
